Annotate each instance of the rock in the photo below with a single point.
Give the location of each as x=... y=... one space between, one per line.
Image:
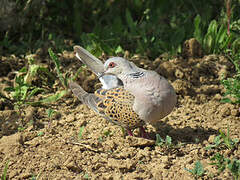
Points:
x=9 y=143
x=136 y=142
x=192 y=48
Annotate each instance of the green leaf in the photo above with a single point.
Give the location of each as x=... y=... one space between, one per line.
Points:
x=222 y=34
x=208 y=43
x=50 y=112
x=41 y=133
x=24 y=91
x=178 y=36
x=54 y=97
x=130 y=22
x=212 y=28
x=57 y=64
x=234 y=167
x=9 y=89
x=197 y=28
x=4 y=176
x=199 y=168
x=34 y=91
x=159 y=140
x=168 y=140
x=119 y=50
x=49 y=99
x=80 y=132
x=107 y=133
x=24 y=69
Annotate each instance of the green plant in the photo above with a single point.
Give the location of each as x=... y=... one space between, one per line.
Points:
x=197 y=171
x=4 y=173
x=57 y=64
x=232 y=85
x=50 y=112
x=34 y=177
x=161 y=142
x=107 y=133
x=234 y=167
x=216 y=38
x=86 y=176
x=146 y=27
x=80 y=132
x=222 y=163
x=41 y=133
x=223 y=140
x=23 y=91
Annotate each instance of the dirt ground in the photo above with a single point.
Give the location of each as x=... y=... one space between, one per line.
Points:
x=55 y=150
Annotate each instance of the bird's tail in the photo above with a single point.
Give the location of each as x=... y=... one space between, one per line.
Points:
x=87 y=98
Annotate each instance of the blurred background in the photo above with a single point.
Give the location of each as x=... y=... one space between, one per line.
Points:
x=146 y=27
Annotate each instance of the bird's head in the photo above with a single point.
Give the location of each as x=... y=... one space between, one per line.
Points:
x=118 y=66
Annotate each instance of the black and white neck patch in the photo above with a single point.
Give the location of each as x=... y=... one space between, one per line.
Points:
x=137 y=74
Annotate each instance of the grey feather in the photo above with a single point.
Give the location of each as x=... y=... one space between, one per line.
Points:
x=87 y=98
x=91 y=61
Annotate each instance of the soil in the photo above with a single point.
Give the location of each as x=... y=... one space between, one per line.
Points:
x=54 y=148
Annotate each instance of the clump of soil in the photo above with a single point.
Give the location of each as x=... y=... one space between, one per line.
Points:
x=55 y=149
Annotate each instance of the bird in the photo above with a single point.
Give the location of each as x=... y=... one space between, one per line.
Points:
x=135 y=97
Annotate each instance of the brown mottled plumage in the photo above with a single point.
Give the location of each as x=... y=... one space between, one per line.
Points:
x=115 y=104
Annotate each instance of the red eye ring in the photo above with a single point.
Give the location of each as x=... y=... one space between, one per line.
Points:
x=111 y=65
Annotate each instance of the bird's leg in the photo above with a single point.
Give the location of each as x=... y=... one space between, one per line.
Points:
x=129 y=132
x=143 y=133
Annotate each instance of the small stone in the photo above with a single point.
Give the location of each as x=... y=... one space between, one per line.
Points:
x=165 y=159
x=234 y=112
x=179 y=74
x=211 y=138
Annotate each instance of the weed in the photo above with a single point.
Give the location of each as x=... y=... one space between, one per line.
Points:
x=223 y=140
x=20 y=129
x=40 y=133
x=107 y=133
x=23 y=90
x=197 y=171
x=4 y=173
x=131 y=25
x=80 y=132
x=234 y=167
x=57 y=64
x=100 y=139
x=86 y=176
x=222 y=163
x=50 y=112
x=232 y=85
x=215 y=40
x=34 y=177
x=161 y=142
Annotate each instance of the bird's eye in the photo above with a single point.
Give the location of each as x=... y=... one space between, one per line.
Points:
x=111 y=65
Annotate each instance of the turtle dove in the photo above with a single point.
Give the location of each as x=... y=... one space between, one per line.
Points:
x=135 y=97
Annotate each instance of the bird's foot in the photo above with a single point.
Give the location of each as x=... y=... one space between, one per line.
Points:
x=129 y=132
x=143 y=133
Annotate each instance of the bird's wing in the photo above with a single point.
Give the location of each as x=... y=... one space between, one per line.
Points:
x=91 y=61
x=87 y=98
x=117 y=106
